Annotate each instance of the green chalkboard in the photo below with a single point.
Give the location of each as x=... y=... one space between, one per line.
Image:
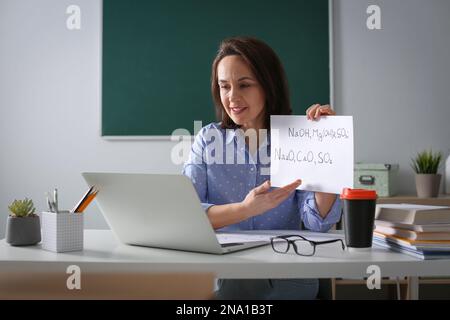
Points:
x=157 y=57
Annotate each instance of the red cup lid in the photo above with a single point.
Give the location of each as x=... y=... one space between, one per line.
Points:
x=358 y=194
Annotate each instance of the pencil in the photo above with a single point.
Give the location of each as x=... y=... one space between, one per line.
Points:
x=75 y=209
x=87 y=202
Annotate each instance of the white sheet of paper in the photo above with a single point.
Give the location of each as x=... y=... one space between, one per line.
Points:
x=251 y=236
x=238 y=237
x=320 y=153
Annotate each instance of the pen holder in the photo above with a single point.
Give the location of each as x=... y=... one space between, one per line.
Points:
x=62 y=231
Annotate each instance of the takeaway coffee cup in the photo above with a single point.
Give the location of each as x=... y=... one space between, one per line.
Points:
x=359 y=216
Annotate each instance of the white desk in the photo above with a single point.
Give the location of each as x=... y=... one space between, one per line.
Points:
x=103 y=253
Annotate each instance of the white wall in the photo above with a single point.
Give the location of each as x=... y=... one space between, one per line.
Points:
x=50 y=108
x=393 y=81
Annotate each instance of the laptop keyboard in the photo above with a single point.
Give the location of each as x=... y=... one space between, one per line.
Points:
x=224 y=245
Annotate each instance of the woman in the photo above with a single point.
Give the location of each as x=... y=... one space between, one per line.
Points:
x=229 y=172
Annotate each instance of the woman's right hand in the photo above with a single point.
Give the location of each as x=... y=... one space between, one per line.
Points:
x=260 y=199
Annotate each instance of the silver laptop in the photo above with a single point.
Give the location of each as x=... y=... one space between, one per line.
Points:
x=158 y=210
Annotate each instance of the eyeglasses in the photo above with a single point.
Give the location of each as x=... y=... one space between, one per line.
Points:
x=302 y=246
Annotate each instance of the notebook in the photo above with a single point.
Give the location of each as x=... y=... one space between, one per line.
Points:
x=412 y=213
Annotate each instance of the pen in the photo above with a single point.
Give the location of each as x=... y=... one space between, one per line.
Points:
x=55 y=199
x=49 y=204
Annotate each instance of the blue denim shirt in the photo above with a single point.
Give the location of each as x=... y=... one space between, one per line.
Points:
x=226 y=181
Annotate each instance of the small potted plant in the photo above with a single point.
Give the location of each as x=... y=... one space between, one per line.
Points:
x=23 y=227
x=426 y=165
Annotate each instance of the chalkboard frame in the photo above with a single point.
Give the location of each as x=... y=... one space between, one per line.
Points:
x=165 y=137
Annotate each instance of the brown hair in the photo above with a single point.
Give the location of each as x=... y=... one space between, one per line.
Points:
x=268 y=70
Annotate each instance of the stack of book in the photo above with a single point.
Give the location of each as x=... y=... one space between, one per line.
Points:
x=418 y=230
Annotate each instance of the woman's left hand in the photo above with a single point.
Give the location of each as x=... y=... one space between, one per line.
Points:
x=324 y=201
x=316 y=110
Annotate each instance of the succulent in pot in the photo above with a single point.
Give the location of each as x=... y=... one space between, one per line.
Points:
x=23 y=226
x=426 y=165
